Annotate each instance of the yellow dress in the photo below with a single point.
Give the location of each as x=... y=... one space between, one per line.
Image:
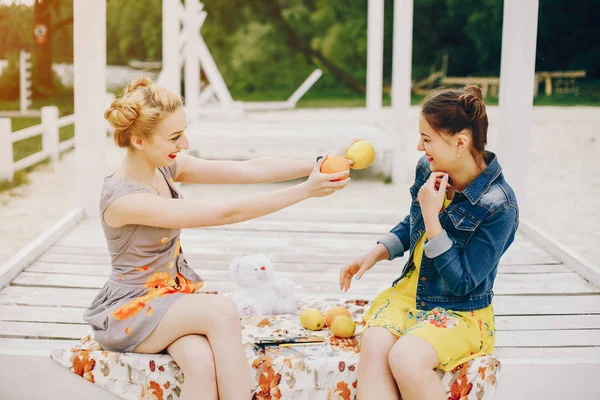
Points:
x=457 y=337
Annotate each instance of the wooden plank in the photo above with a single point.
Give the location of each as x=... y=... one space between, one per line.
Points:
x=545 y=353
x=205 y=236
x=41 y=314
x=45 y=330
x=224 y=259
x=546 y=322
x=548 y=338
x=504 y=305
x=522 y=245
x=43 y=347
x=278 y=243
x=586 y=268
x=503 y=322
x=565 y=283
x=27 y=255
x=393 y=268
x=226 y=253
x=20 y=346
x=541 y=338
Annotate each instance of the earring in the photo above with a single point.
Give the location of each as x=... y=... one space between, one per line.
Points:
x=458 y=154
x=142 y=148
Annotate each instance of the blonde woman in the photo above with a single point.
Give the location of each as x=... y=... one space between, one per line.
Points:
x=146 y=305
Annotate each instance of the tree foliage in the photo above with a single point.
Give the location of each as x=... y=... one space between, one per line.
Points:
x=263 y=45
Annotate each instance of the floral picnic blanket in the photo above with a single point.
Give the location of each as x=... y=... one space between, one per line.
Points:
x=318 y=372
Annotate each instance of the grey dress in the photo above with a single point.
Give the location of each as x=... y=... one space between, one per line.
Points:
x=149 y=273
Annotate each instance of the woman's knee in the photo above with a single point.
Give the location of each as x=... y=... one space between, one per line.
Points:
x=218 y=309
x=410 y=356
x=222 y=313
x=376 y=343
x=194 y=356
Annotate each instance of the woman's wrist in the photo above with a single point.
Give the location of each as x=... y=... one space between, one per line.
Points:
x=305 y=190
x=380 y=252
x=432 y=226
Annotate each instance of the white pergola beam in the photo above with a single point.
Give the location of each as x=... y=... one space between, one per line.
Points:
x=192 y=62
x=402 y=57
x=401 y=87
x=170 y=75
x=89 y=48
x=375 y=54
x=517 y=71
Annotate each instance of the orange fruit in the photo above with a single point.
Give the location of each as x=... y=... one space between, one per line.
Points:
x=336 y=312
x=335 y=164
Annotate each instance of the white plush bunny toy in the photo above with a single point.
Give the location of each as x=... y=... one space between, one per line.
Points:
x=258 y=291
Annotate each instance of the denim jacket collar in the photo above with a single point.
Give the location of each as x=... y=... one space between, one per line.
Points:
x=481 y=184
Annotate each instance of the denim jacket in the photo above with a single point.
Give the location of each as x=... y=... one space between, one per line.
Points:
x=459 y=266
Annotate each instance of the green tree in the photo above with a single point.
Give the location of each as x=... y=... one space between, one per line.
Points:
x=49 y=17
x=568 y=35
x=134 y=31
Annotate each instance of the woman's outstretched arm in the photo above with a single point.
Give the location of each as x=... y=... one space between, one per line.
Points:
x=191 y=169
x=152 y=210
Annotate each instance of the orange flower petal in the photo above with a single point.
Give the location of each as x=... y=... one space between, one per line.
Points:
x=129 y=309
x=121 y=277
x=171 y=263
x=146 y=268
x=150 y=311
x=128 y=330
x=155 y=390
x=164 y=240
x=159 y=280
x=177 y=249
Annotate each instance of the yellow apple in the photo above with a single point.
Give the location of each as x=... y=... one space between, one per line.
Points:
x=362 y=153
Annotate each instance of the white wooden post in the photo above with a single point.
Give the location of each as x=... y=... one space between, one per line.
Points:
x=401 y=87
x=25 y=80
x=50 y=137
x=89 y=48
x=375 y=54
x=192 y=62
x=109 y=98
x=7 y=171
x=517 y=74
x=170 y=76
x=402 y=56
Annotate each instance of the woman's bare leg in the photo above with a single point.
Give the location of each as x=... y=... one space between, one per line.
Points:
x=194 y=356
x=413 y=360
x=217 y=318
x=375 y=379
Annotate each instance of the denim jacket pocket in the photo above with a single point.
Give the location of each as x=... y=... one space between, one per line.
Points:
x=461 y=220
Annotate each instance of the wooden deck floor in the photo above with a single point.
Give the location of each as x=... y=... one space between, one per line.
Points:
x=543 y=308
x=545 y=311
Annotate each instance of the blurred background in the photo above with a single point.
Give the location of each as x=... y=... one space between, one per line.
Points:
x=265 y=49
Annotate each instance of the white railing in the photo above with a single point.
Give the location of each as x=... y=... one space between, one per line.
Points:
x=52 y=147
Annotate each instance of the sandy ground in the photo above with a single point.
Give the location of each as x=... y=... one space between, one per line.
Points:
x=564 y=181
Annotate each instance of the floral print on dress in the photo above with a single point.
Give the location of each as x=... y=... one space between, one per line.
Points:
x=159 y=284
x=441 y=318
